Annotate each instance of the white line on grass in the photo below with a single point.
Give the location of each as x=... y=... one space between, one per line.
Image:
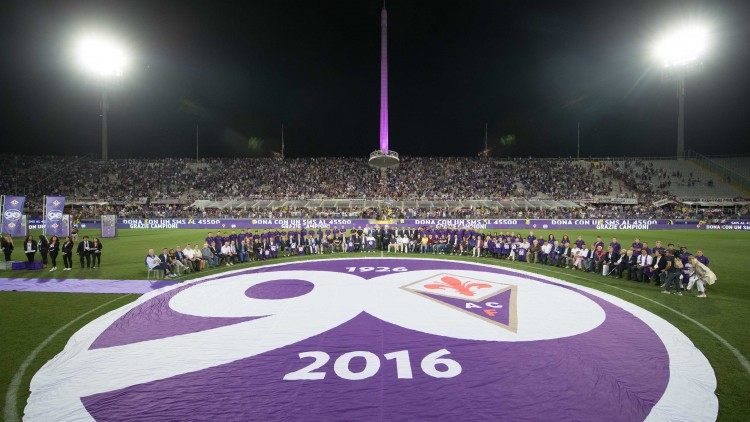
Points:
x=740 y=357
x=11 y=397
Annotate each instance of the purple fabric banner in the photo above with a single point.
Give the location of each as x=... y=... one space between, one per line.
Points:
x=53 y=216
x=12 y=212
x=376 y=339
x=485 y=224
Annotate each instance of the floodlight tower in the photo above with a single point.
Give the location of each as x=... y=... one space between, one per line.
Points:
x=383 y=158
x=105 y=60
x=681 y=54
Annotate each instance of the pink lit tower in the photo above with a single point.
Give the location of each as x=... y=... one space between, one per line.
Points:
x=383 y=158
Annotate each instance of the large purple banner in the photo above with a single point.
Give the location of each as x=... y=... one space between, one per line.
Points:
x=53 y=215
x=486 y=224
x=12 y=212
x=376 y=340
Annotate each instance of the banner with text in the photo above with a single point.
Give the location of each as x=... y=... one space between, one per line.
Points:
x=53 y=215
x=485 y=224
x=12 y=212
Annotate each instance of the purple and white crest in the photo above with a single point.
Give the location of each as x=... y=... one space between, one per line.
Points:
x=376 y=339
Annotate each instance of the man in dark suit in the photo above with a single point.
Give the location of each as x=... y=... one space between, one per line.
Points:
x=659 y=264
x=84 y=251
x=164 y=258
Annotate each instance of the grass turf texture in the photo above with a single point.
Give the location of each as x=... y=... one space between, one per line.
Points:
x=26 y=319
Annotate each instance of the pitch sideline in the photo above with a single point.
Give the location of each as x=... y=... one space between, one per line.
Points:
x=10 y=413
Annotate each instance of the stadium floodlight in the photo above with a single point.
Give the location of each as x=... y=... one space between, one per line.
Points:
x=101 y=56
x=682 y=46
x=681 y=52
x=106 y=59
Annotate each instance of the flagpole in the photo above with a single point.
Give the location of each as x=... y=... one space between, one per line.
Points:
x=44 y=210
x=486 y=153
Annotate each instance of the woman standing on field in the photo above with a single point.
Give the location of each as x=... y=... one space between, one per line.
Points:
x=67 y=251
x=43 y=249
x=96 y=253
x=54 y=249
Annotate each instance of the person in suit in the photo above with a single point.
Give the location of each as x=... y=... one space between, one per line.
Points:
x=29 y=247
x=96 y=252
x=67 y=252
x=7 y=246
x=165 y=259
x=43 y=249
x=84 y=251
x=626 y=261
x=54 y=250
x=659 y=264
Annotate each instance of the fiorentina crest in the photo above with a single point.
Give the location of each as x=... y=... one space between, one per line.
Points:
x=489 y=300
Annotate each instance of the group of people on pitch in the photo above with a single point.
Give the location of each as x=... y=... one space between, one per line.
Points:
x=666 y=267
x=89 y=251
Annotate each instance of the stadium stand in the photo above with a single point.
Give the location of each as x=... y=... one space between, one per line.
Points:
x=434 y=187
x=674 y=178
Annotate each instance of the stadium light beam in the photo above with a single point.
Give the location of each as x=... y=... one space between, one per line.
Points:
x=681 y=53
x=105 y=59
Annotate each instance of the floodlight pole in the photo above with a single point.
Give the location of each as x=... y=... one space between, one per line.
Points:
x=681 y=118
x=105 y=107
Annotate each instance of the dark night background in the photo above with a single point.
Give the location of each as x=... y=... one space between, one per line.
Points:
x=241 y=69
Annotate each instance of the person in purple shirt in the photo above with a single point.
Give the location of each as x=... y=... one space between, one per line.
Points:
x=615 y=246
x=219 y=240
x=531 y=237
x=660 y=248
x=579 y=242
x=646 y=248
x=636 y=246
x=210 y=238
x=233 y=237
x=598 y=243
x=703 y=259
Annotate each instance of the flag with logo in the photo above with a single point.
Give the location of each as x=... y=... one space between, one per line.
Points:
x=12 y=213
x=53 y=215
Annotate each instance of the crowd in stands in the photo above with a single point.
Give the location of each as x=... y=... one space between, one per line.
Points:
x=305 y=178
x=646 y=180
x=138 y=185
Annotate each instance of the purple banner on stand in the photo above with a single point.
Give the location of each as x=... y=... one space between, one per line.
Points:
x=12 y=212
x=109 y=226
x=53 y=217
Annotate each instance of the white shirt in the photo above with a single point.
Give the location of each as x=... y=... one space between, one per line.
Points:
x=574 y=252
x=547 y=248
x=645 y=260
x=189 y=254
x=226 y=250
x=583 y=252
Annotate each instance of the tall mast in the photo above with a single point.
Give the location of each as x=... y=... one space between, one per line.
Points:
x=384 y=80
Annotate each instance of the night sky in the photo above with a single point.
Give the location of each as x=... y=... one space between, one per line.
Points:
x=240 y=70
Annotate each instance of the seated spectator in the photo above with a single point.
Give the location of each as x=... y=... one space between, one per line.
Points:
x=154 y=263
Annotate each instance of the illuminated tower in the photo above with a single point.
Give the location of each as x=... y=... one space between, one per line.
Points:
x=383 y=158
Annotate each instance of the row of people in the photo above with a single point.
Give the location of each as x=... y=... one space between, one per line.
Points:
x=437 y=178
x=88 y=251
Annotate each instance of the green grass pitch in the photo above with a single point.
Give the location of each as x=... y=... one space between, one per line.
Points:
x=27 y=319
